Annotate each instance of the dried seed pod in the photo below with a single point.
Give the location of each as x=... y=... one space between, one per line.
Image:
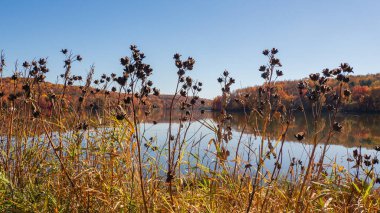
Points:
x=300 y=136
x=337 y=126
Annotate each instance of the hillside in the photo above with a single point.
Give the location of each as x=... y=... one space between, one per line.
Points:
x=95 y=99
x=365 y=94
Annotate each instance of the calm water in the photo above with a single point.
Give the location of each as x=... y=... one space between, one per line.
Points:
x=358 y=130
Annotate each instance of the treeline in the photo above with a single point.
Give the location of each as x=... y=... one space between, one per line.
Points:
x=96 y=100
x=365 y=94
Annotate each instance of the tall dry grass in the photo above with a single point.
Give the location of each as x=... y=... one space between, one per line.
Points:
x=71 y=159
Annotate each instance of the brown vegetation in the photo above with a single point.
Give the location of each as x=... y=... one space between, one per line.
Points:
x=365 y=96
x=55 y=157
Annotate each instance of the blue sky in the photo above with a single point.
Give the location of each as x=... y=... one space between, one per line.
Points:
x=311 y=35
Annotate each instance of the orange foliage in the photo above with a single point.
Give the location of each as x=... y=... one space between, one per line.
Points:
x=365 y=93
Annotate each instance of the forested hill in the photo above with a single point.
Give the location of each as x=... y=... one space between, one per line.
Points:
x=365 y=95
x=95 y=97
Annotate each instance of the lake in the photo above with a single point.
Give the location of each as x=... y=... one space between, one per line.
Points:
x=358 y=131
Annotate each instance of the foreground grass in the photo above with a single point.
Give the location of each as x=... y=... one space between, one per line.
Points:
x=101 y=176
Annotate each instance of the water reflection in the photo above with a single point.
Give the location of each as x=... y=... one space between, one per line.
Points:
x=358 y=130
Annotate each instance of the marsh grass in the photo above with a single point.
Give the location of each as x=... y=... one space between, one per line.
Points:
x=76 y=157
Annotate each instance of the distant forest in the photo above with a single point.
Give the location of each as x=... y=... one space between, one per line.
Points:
x=96 y=100
x=365 y=94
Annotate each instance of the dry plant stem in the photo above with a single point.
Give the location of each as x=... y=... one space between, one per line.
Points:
x=177 y=139
x=181 y=142
x=61 y=99
x=259 y=165
x=177 y=162
x=219 y=141
x=273 y=175
x=169 y=145
x=304 y=114
x=136 y=126
x=308 y=170
x=331 y=131
x=267 y=119
x=10 y=132
x=356 y=178
x=239 y=142
x=237 y=150
x=9 y=139
x=60 y=161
